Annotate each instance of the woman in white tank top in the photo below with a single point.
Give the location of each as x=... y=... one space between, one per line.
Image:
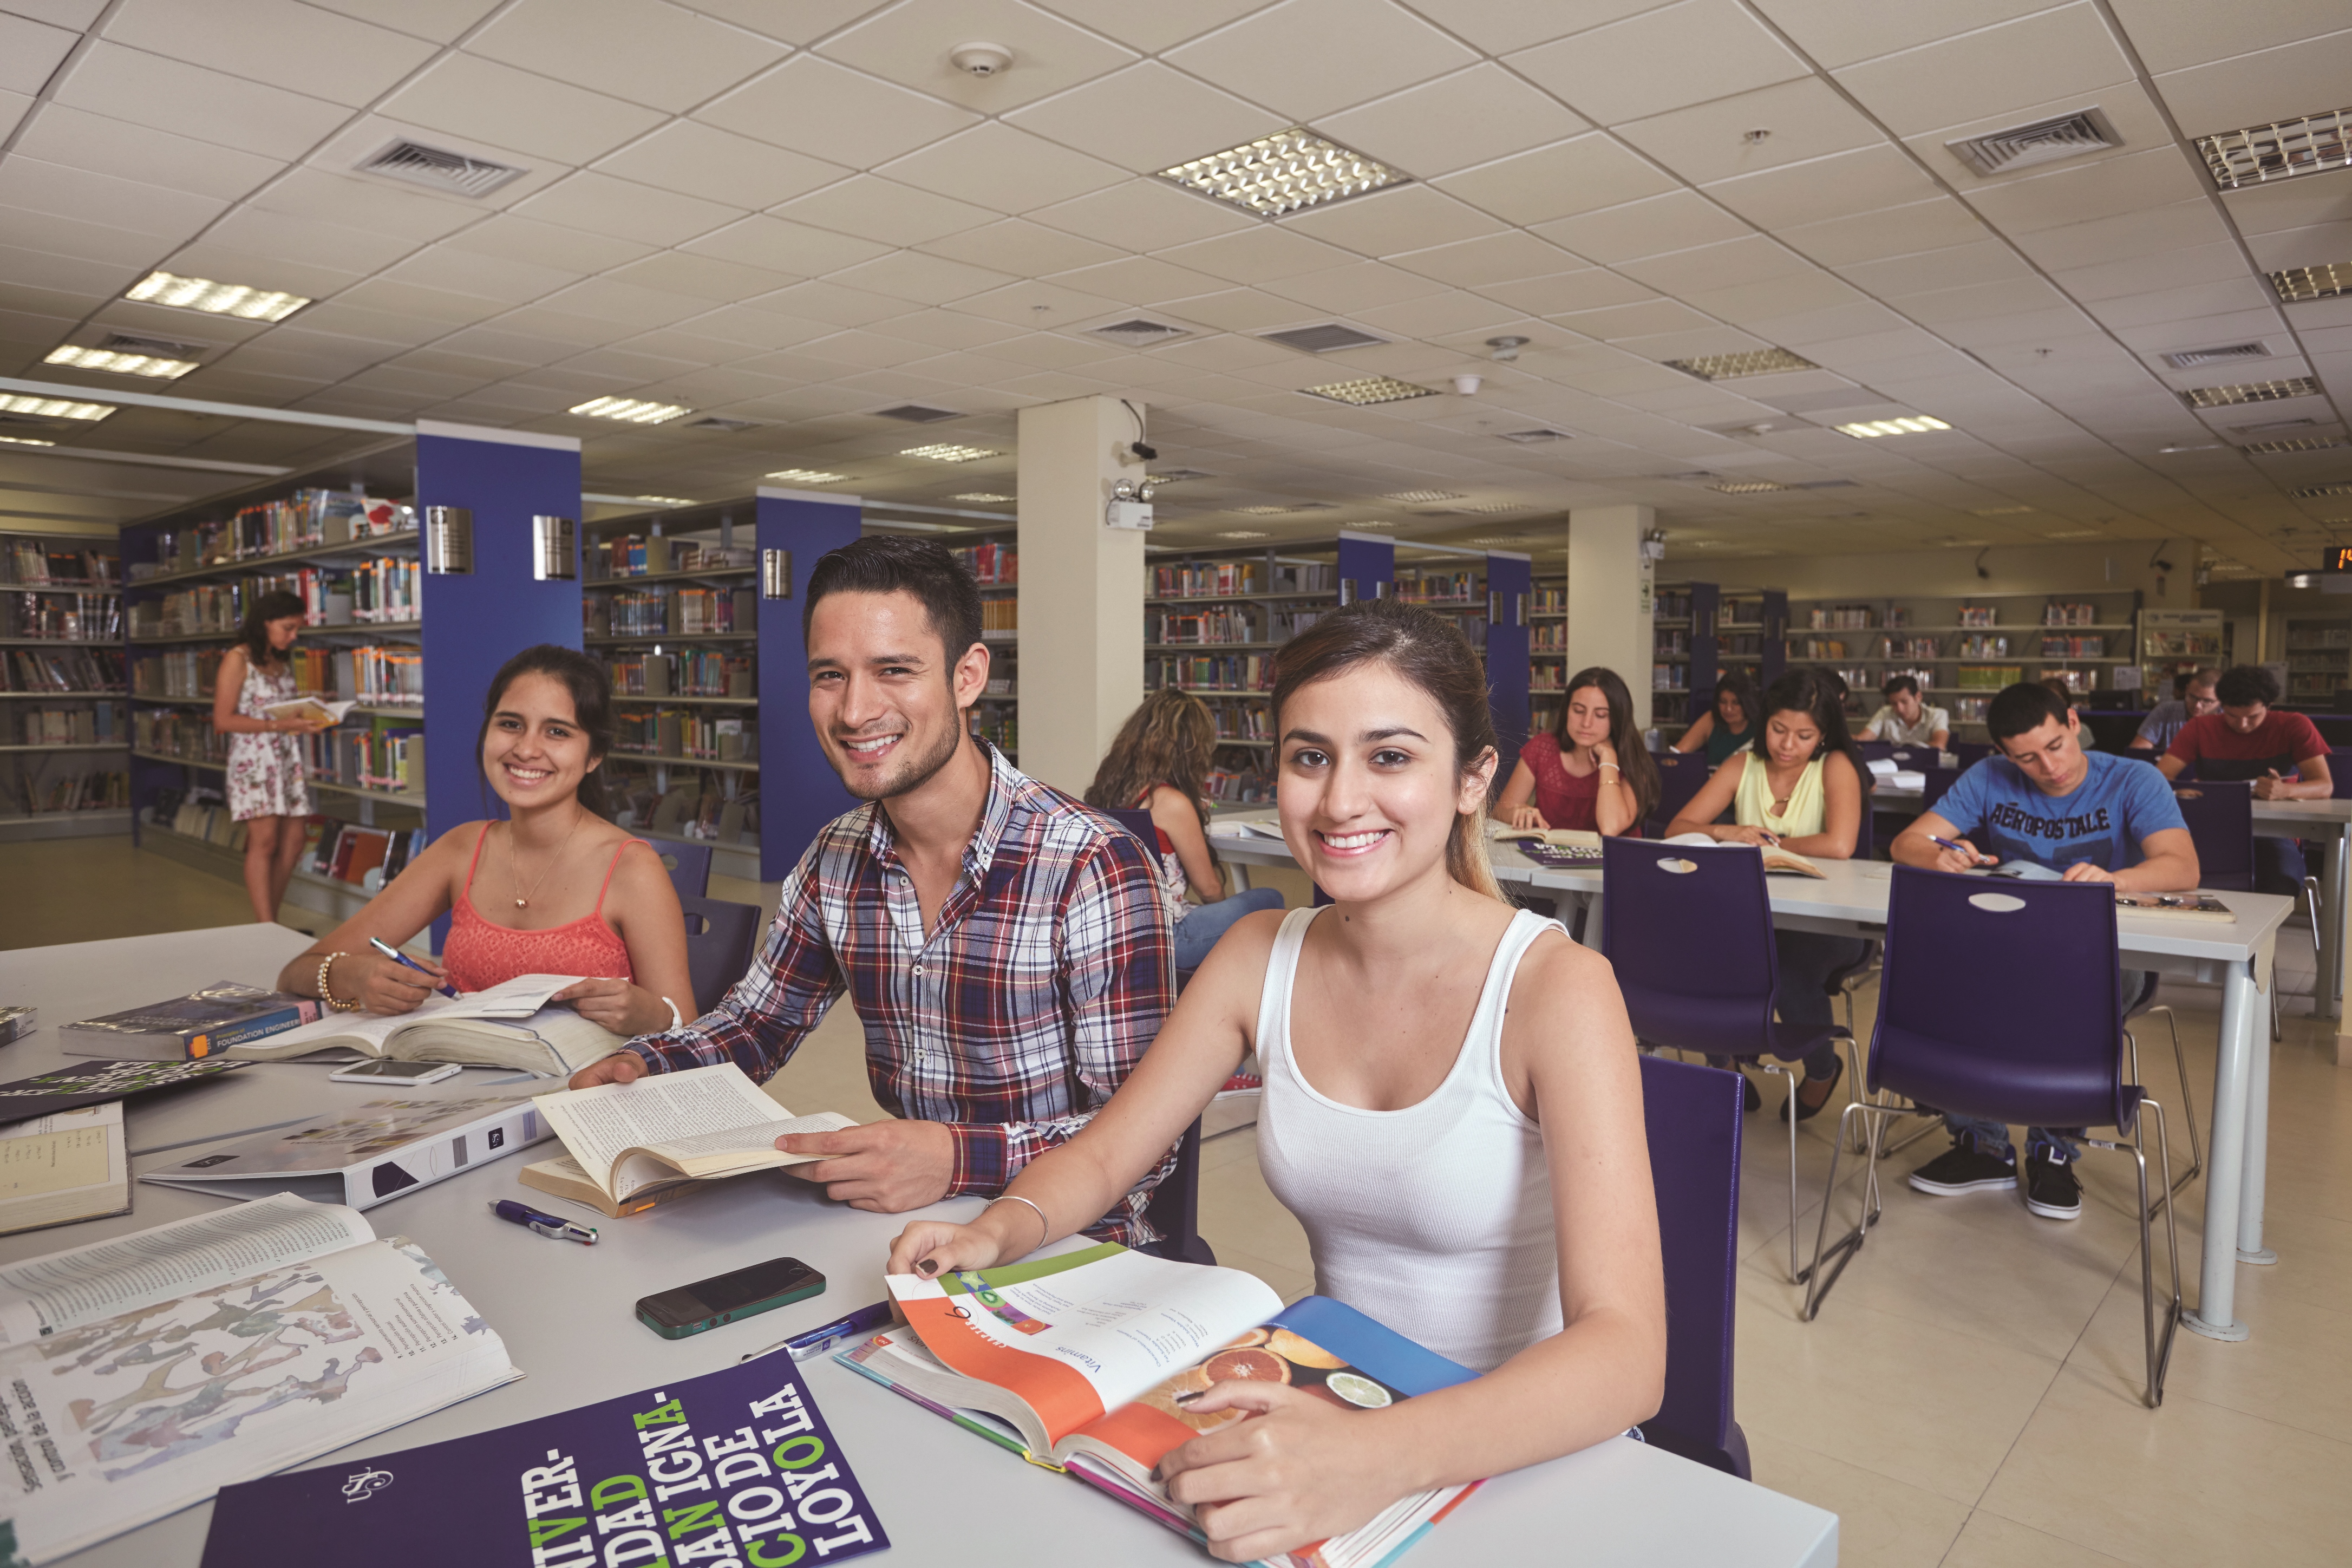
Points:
x=1453 y=1109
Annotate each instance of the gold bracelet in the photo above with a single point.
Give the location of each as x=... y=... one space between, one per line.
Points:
x=327 y=996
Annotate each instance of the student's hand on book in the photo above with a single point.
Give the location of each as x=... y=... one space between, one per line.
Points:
x=387 y=988
x=1954 y=860
x=931 y=1248
x=621 y=1067
x=1298 y=1470
x=886 y=1167
x=1524 y=816
x=2267 y=786
x=1744 y=835
x=2083 y=872
x=617 y=1004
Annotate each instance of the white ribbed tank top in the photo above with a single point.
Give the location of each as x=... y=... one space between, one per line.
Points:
x=1435 y=1219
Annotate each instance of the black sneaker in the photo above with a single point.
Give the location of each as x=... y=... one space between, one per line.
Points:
x=2051 y=1188
x=1964 y=1168
x=1749 y=1098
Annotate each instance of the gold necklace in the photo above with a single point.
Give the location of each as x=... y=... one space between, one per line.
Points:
x=514 y=867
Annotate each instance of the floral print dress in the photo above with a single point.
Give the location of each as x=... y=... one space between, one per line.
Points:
x=265 y=772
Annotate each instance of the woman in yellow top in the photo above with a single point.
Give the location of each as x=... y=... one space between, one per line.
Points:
x=1798 y=787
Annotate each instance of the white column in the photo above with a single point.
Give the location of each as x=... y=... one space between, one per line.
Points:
x=1609 y=596
x=1081 y=663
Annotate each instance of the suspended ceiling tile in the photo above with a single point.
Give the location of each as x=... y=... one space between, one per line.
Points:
x=205 y=105
x=1749 y=303
x=909 y=44
x=1362 y=286
x=273 y=41
x=701 y=277
x=1491 y=258
x=78 y=139
x=395 y=299
x=623 y=209
x=1893 y=232
x=1145 y=216
x=1154 y=25
x=2183 y=304
x=2080 y=192
x=1663 y=59
x=1141 y=280
x=2062 y=53
x=1642 y=318
x=1804 y=119
x=785 y=247
x=2318 y=245
x=1306 y=59
x=1985 y=261
x=1499 y=26
x=281 y=234
x=1839 y=184
x=1016 y=246
x=331 y=196
x=926 y=279
x=1257 y=255
x=1585 y=288
x=1841 y=32
x=1826 y=323
x=1439 y=315
x=1037 y=304
x=2170 y=38
x=2304 y=78
x=1000 y=168
x=1679 y=220
x=439 y=20
x=2169 y=270
x=30 y=52
x=1148 y=118
x=1579 y=175
x=820 y=299
x=1474 y=116
x=873 y=208
x=700 y=160
x=638 y=50
x=2265 y=209
x=830 y=111
x=474 y=97
x=1751 y=257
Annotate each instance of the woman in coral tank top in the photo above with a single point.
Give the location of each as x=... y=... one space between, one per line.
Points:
x=555 y=889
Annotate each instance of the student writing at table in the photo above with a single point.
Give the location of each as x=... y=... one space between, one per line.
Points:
x=1006 y=948
x=1798 y=788
x=1906 y=719
x=2251 y=738
x=2192 y=698
x=556 y=889
x=2087 y=816
x=1593 y=773
x=1453 y=1108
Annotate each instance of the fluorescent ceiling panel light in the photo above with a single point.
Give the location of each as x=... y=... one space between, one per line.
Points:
x=1267 y=511
x=1493 y=508
x=2314 y=492
x=1999 y=511
x=2323 y=282
x=25 y=441
x=148 y=365
x=52 y=407
x=1242 y=534
x=2076 y=534
x=947 y=452
x=630 y=410
x=1285 y=172
x=2251 y=392
x=663 y=500
x=807 y=477
x=1909 y=424
x=1178 y=476
x=1746 y=487
x=2284 y=150
x=239 y=300
x=981 y=496
x=2189 y=359
x=2296 y=443
x=1731 y=367
x=2041 y=141
x=1369 y=389
x=1420 y=498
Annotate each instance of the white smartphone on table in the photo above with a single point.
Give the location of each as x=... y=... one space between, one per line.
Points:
x=381 y=1070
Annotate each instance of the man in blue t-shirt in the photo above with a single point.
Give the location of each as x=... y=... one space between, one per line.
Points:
x=2084 y=816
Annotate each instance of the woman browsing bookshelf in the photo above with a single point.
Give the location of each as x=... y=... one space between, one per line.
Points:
x=1453 y=1108
x=267 y=789
x=556 y=889
x=1593 y=774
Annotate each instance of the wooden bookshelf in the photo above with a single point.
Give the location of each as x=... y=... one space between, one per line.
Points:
x=60 y=647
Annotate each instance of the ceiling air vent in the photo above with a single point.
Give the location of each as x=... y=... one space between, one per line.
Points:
x=2043 y=141
x=1137 y=331
x=916 y=414
x=440 y=169
x=1822 y=485
x=1531 y=437
x=2189 y=359
x=155 y=348
x=1323 y=339
x=716 y=422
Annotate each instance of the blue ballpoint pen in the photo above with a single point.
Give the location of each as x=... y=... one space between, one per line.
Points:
x=555 y=1227
x=397 y=956
x=816 y=1342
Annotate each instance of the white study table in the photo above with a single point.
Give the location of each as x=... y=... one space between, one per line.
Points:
x=1852 y=901
x=565 y=1312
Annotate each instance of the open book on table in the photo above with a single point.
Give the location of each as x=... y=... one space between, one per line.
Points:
x=697 y=1125
x=506 y=1026
x=151 y=1370
x=1777 y=861
x=1089 y=1363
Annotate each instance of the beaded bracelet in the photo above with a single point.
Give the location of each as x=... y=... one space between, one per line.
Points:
x=327 y=996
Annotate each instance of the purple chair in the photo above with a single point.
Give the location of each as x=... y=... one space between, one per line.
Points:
x=2053 y=947
x=721 y=938
x=1693 y=1118
x=1688 y=928
x=2220 y=818
x=1971 y=752
x=688 y=866
x=1138 y=823
x=1875 y=750
x=1683 y=774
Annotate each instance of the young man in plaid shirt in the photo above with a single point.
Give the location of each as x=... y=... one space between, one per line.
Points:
x=1008 y=950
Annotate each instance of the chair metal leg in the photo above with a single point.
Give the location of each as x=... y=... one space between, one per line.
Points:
x=2322 y=985
x=2156 y=1343
x=1788 y=1071
x=1837 y=1254
x=2188 y=1095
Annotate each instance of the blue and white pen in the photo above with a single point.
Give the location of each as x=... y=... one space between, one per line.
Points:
x=553 y=1227
x=816 y=1342
x=1982 y=859
x=397 y=956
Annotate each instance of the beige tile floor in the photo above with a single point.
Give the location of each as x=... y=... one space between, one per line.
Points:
x=1971 y=1393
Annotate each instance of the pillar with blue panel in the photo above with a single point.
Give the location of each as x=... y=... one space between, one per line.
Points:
x=1510 y=582
x=799 y=791
x=496 y=581
x=1367 y=566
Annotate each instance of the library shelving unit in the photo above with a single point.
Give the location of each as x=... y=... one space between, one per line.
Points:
x=1751 y=634
x=2181 y=642
x=1965 y=647
x=2319 y=660
x=1685 y=654
x=64 y=722
x=1547 y=651
x=993 y=556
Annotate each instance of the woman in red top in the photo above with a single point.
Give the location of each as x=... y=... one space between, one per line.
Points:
x=571 y=894
x=1594 y=774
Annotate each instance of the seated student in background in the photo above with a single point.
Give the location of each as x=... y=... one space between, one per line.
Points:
x=2073 y=699
x=1006 y=948
x=1593 y=774
x=572 y=894
x=1800 y=788
x=2283 y=754
x=2088 y=816
x=1906 y=720
x=1453 y=1109
x=1727 y=725
x=1160 y=762
x=2192 y=698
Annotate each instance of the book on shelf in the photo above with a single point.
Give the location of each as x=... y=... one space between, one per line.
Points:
x=262 y=1336
x=671 y=1475
x=1090 y=1362
x=61 y=1166
x=222 y=1015
x=367 y=1153
x=510 y=1024
x=703 y=1124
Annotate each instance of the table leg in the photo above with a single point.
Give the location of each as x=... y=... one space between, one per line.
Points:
x=2217 y=1282
x=1239 y=871
x=2328 y=994
x=2250 y=1248
x=1592 y=923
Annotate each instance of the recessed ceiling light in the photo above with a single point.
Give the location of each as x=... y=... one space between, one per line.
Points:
x=807 y=477
x=947 y=452
x=981 y=496
x=1746 y=487
x=2189 y=446
x=2313 y=492
x=2295 y=444
x=1730 y=367
x=1369 y=389
x=2323 y=282
x=25 y=441
x=1285 y=172
x=630 y=410
x=239 y=300
x=1999 y=511
x=1422 y=498
x=2251 y=392
x=1372 y=522
x=52 y=407
x=2284 y=150
x=1492 y=507
x=1242 y=534
x=1267 y=511
x=1909 y=424
x=119 y=363
x=664 y=500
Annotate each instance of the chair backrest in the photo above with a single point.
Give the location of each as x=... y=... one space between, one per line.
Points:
x=1136 y=821
x=1937 y=781
x=2000 y=999
x=1689 y=932
x=2339 y=770
x=1865 y=833
x=720 y=937
x=1971 y=752
x=2221 y=817
x=1914 y=758
x=1875 y=750
x=1683 y=774
x=688 y=866
x=1693 y=1117
x=1174 y=1210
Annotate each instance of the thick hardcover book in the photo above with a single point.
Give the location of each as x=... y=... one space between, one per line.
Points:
x=375 y=1151
x=736 y=1467
x=95 y=1083
x=222 y=1015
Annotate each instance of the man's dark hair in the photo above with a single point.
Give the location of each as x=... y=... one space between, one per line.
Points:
x=1910 y=683
x=2243 y=685
x=2022 y=708
x=893 y=562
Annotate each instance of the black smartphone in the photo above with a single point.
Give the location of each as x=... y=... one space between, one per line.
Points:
x=723 y=1298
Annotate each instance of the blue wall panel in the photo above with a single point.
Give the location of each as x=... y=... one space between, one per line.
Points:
x=1510 y=580
x=799 y=791
x=1363 y=563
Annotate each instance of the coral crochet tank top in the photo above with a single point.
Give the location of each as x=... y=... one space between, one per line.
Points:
x=481 y=953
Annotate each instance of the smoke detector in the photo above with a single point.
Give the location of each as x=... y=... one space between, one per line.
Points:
x=1467 y=386
x=979 y=60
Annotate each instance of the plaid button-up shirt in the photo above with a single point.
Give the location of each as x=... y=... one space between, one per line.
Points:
x=1013 y=1022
